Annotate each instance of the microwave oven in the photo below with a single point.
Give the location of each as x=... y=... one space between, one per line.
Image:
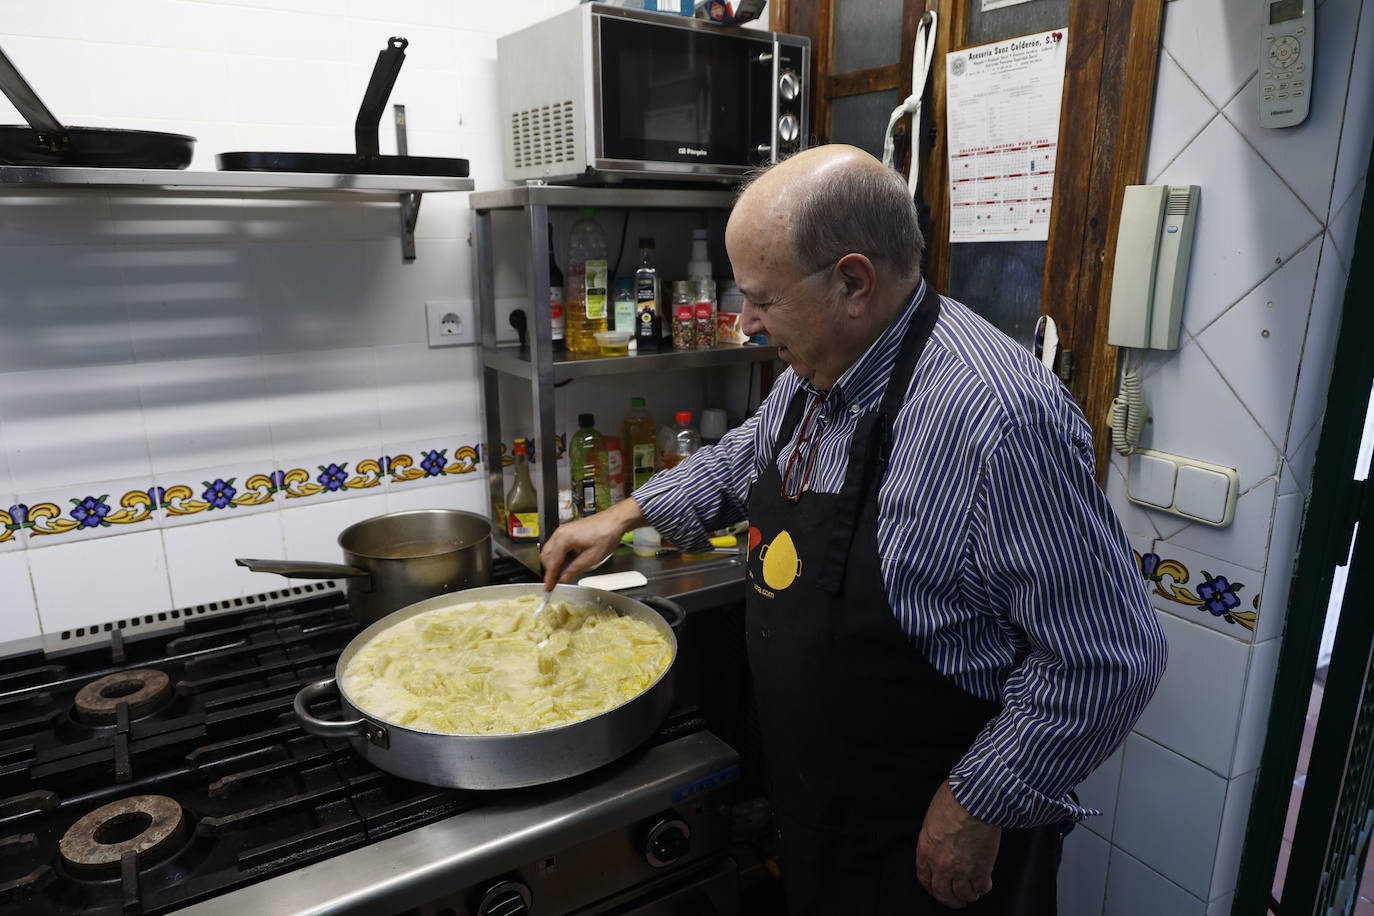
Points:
x=602 y=94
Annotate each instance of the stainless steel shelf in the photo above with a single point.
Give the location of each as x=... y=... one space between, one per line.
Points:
x=24 y=176
x=638 y=198
x=516 y=361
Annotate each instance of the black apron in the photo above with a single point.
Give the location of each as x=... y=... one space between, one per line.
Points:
x=858 y=728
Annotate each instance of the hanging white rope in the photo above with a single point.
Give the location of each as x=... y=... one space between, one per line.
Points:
x=920 y=72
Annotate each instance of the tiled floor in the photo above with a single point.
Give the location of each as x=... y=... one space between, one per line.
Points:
x=1364 y=905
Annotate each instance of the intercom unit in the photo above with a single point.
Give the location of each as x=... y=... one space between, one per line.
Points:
x=1151 y=268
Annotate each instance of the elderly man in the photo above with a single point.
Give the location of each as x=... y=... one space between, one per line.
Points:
x=945 y=626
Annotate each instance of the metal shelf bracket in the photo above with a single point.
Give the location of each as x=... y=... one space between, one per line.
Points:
x=410 y=214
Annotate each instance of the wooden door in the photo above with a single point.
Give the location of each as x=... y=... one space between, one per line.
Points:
x=1104 y=123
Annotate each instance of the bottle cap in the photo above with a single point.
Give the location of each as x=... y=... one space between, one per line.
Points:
x=586 y=419
x=636 y=402
x=625 y=283
x=586 y=212
x=613 y=443
x=521 y=448
x=698 y=234
x=646 y=243
x=712 y=423
x=684 y=416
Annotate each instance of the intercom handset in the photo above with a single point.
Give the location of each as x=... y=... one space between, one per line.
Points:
x=1154 y=243
x=1288 y=45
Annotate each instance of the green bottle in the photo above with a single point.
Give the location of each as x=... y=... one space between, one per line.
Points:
x=590 y=469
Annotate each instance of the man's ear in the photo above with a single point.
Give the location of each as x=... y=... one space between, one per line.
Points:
x=860 y=282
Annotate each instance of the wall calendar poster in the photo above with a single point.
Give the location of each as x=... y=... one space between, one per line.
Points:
x=1002 y=105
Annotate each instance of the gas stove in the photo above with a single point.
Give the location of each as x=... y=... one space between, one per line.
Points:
x=154 y=764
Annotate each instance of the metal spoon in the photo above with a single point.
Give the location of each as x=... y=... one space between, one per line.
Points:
x=543 y=605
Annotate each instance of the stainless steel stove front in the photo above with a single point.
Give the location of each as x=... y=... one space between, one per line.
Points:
x=647 y=835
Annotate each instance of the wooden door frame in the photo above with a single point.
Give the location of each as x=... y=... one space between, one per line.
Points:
x=1109 y=78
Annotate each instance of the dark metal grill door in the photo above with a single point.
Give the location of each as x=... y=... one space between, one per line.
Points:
x=1338 y=800
x=1336 y=815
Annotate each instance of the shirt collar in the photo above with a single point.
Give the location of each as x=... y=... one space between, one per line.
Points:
x=861 y=386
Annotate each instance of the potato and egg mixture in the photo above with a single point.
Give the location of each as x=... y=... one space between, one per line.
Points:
x=492 y=667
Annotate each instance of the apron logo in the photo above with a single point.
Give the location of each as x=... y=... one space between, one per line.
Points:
x=778 y=562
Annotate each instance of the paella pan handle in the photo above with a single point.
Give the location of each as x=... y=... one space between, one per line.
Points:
x=671 y=612
x=21 y=95
x=328 y=728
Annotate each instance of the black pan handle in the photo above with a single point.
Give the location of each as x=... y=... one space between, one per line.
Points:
x=388 y=65
x=51 y=133
x=670 y=610
x=303 y=569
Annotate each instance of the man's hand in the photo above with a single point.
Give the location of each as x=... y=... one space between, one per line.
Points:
x=955 y=852
x=575 y=546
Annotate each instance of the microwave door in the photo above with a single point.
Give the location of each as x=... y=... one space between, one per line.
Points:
x=680 y=98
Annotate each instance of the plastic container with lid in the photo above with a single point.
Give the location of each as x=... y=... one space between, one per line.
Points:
x=678 y=441
x=614 y=343
x=713 y=425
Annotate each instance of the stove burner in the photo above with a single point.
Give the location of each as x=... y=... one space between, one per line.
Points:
x=143 y=690
x=145 y=825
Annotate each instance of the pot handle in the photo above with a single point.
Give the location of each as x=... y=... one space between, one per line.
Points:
x=671 y=611
x=326 y=728
x=303 y=569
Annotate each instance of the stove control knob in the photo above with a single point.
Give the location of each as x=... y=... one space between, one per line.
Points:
x=667 y=841
x=505 y=898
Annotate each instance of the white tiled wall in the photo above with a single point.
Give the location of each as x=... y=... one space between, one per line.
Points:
x=1246 y=388
x=150 y=341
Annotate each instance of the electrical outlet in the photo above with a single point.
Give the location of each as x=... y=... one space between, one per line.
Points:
x=505 y=331
x=450 y=322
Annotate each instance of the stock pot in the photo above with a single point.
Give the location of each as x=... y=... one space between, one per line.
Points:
x=396 y=559
x=504 y=761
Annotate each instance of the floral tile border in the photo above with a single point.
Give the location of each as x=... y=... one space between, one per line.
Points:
x=144 y=507
x=1217 y=595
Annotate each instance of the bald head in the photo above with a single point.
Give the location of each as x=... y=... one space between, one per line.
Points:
x=826 y=250
x=834 y=199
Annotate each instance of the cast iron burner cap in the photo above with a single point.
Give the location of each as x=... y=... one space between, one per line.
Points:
x=143 y=690
x=148 y=826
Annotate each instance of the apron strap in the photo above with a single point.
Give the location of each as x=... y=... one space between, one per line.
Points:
x=871 y=448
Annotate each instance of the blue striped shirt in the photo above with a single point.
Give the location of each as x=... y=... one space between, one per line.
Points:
x=1002 y=559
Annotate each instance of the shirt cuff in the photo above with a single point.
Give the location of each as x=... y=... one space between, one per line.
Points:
x=985 y=783
x=660 y=503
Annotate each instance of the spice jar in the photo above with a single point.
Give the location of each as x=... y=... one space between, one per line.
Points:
x=684 y=315
x=705 y=314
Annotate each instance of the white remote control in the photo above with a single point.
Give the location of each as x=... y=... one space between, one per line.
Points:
x=1288 y=45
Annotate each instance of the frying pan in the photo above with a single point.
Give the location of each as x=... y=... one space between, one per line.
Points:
x=368 y=160
x=47 y=142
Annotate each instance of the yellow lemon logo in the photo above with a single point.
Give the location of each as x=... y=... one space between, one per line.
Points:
x=780 y=563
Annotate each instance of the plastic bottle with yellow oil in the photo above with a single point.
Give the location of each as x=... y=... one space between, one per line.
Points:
x=587 y=294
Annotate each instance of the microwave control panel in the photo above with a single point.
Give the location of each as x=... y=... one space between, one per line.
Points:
x=791 y=101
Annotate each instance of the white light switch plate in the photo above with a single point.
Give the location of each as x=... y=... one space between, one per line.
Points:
x=1196 y=490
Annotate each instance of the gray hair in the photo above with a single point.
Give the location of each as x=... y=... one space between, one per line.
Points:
x=863 y=210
